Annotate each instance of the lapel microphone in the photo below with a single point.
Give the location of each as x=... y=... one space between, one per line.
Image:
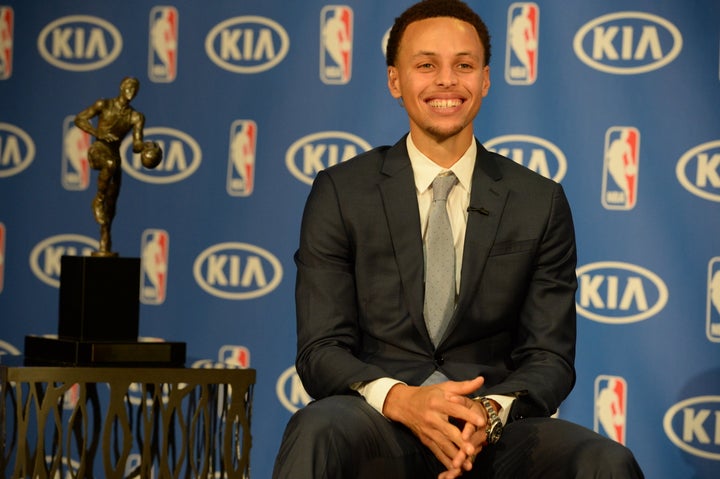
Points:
x=481 y=210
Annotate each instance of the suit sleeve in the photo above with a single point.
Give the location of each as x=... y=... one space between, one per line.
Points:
x=326 y=299
x=544 y=372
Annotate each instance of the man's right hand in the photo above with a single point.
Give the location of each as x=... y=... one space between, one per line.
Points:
x=426 y=411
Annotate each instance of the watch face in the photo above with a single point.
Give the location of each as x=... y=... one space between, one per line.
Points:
x=494 y=433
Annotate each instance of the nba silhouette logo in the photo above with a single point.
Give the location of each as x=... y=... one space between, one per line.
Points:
x=336 y=44
x=2 y=255
x=611 y=407
x=713 y=300
x=234 y=356
x=521 y=54
x=154 y=266
x=6 y=42
x=163 y=44
x=621 y=168
x=71 y=397
x=241 y=162
x=75 y=170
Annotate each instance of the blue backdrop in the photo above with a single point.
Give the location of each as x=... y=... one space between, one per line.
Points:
x=618 y=100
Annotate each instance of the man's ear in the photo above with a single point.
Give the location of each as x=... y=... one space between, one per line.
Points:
x=393 y=82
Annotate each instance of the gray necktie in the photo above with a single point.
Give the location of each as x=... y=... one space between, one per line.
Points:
x=439 y=260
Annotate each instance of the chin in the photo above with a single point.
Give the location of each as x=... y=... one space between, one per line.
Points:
x=441 y=134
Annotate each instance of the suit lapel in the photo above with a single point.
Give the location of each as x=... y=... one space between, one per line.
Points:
x=400 y=201
x=487 y=202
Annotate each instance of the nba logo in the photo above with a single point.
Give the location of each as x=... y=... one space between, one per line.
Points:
x=621 y=168
x=241 y=162
x=521 y=54
x=336 y=44
x=2 y=255
x=163 y=48
x=234 y=356
x=71 y=397
x=611 y=407
x=75 y=171
x=154 y=266
x=713 y=300
x=6 y=42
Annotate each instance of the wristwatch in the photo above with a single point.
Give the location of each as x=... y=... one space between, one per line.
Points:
x=494 y=426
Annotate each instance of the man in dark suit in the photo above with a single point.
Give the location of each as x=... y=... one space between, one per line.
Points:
x=394 y=399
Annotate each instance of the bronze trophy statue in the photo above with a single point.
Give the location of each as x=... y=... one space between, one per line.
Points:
x=115 y=119
x=98 y=321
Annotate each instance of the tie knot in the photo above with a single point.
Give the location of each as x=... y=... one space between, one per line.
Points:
x=442 y=184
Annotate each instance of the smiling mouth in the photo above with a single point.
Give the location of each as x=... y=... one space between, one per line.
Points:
x=440 y=103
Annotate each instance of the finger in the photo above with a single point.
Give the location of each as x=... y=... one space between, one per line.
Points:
x=457 y=449
x=465 y=410
x=463 y=458
x=468 y=431
x=452 y=474
x=451 y=446
x=438 y=452
x=463 y=387
x=478 y=437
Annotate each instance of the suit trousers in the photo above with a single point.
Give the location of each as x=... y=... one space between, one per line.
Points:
x=344 y=437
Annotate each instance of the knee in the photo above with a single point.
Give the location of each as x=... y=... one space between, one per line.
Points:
x=332 y=422
x=313 y=422
x=607 y=459
x=316 y=440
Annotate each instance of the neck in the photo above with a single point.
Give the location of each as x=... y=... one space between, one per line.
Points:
x=443 y=151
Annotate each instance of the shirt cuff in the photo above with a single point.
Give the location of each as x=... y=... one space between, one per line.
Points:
x=376 y=391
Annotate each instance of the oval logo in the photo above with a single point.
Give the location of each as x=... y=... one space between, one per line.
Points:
x=45 y=256
x=17 y=150
x=9 y=349
x=698 y=170
x=237 y=271
x=619 y=293
x=181 y=156
x=80 y=43
x=693 y=425
x=290 y=391
x=313 y=153
x=536 y=154
x=247 y=44
x=627 y=43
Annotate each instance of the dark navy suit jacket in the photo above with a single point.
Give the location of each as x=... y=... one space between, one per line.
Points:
x=359 y=290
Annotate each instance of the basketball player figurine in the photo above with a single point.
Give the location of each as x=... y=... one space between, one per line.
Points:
x=115 y=119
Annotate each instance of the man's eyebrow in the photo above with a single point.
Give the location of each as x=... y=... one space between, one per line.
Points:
x=427 y=53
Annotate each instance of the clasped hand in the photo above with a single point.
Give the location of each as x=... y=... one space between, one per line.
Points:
x=448 y=422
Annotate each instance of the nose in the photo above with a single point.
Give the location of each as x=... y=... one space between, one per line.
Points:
x=446 y=77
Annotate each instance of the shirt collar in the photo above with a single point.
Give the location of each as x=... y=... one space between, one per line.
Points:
x=425 y=170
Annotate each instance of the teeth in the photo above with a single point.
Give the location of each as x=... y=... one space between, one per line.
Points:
x=444 y=103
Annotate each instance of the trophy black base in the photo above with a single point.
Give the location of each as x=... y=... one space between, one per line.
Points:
x=49 y=351
x=99 y=298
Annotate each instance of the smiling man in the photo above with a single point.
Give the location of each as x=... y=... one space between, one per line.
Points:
x=436 y=293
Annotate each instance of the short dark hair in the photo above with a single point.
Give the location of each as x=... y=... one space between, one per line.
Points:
x=432 y=9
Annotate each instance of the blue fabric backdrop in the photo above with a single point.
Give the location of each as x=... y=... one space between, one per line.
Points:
x=618 y=100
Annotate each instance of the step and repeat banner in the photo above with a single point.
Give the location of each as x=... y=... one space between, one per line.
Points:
x=617 y=100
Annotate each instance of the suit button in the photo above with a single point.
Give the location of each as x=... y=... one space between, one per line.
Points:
x=439 y=360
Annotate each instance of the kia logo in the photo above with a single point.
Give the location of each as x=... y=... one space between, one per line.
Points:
x=247 y=44
x=237 y=271
x=627 y=43
x=619 y=293
x=181 y=156
x=80 y=43
x=313 y=153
